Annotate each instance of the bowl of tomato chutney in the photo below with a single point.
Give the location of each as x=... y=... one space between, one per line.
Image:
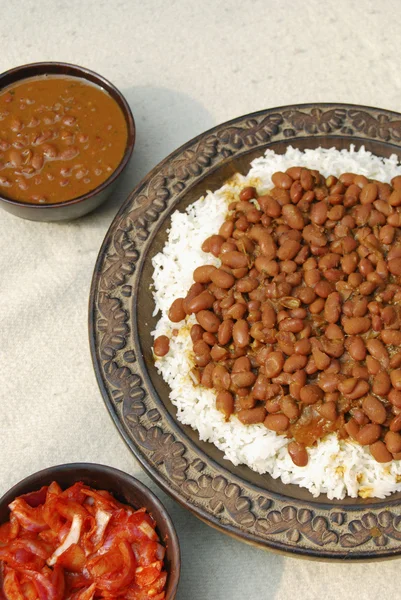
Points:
x=66 y=135
x=86 y=531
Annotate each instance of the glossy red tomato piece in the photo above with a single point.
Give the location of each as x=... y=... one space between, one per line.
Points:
x=11 y=585
x=30 y=518
x=73 y=559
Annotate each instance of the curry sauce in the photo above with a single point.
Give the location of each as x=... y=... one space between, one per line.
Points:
x=60 y=138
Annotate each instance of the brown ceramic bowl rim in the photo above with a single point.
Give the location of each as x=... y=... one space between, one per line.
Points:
x=97 y=468
x=73 y=70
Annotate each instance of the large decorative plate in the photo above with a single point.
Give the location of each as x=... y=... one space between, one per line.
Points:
x=254 y=508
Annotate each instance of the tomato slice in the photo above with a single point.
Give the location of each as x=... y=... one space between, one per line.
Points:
x=86 y=594
x=29 y=590
x=47 y=588
x=9 y=531
x=74 y=493
x=108 y=573
x=77 y=581
x=53 y=490
x=146 y=576
x=104 y=563
x=24 y=553
x=11 y=586
x=102 y=499
x=147 y=552
x=73 y=559
x=37 y=498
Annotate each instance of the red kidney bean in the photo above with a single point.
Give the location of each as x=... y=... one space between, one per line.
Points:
x=222 y=279
x=218 y=353
x=379 y=451
x=247 y=193
x=259 y=390
x=282 y=180
x=213 y=244
x=201 y=302
x=274 y=364
x=225 y=331
x=247 y=284
x=291 y=325
x=277 y=422
x=368 y=434
x=310 y=394
x=241 y=333
x=194 y=291
x=289 y=407
x=209 y=338
x=298 y=453
x=203 y=274
x=226 y=230
x=356 y=348
x=176 y=312
x=241 y=364
x=202 y=353
x=295 y=363
x=322 y=360
x=161 y=345
x=236 y=311
x=395 y=377
x=381 y=384
x=352 y=428
x=207 y=376
x=328 y=411
x=293 y=216
x=243 y=379
x=303 y=347
x=288 y=250
x=208 y=320
x=234 y=259
x=356 y=325
x=225 y=403
x=221 y=378
x=394 y=397
x=374 y=409
x=252 y=416
x=297 y=328
x=395 y=423
x=196 y=333
x=391 y=337
x=393 y=442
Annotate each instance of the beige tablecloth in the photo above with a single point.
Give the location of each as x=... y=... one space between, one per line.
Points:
x=184 y=67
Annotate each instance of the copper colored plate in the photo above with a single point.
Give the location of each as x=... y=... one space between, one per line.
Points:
x=252 y=507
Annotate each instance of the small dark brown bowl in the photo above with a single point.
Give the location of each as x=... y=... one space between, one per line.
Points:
x=77 y=207
x=124 y=488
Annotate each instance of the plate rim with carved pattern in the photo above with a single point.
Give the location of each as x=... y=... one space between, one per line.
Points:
x=266 y=514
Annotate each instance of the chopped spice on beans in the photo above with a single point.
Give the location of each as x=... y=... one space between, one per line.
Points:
x=299 y=327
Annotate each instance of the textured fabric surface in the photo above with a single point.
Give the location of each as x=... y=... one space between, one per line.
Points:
x=184 y=67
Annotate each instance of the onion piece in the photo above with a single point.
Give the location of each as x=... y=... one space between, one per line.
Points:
x=102 y=520
x=148 y=530
x=71 y=538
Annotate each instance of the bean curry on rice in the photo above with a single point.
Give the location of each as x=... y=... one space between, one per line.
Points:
x=299 y=327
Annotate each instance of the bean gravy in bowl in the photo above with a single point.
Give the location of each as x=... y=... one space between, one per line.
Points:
x=60 y=138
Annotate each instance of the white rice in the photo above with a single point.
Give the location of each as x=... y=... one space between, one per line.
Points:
x=336 y=467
